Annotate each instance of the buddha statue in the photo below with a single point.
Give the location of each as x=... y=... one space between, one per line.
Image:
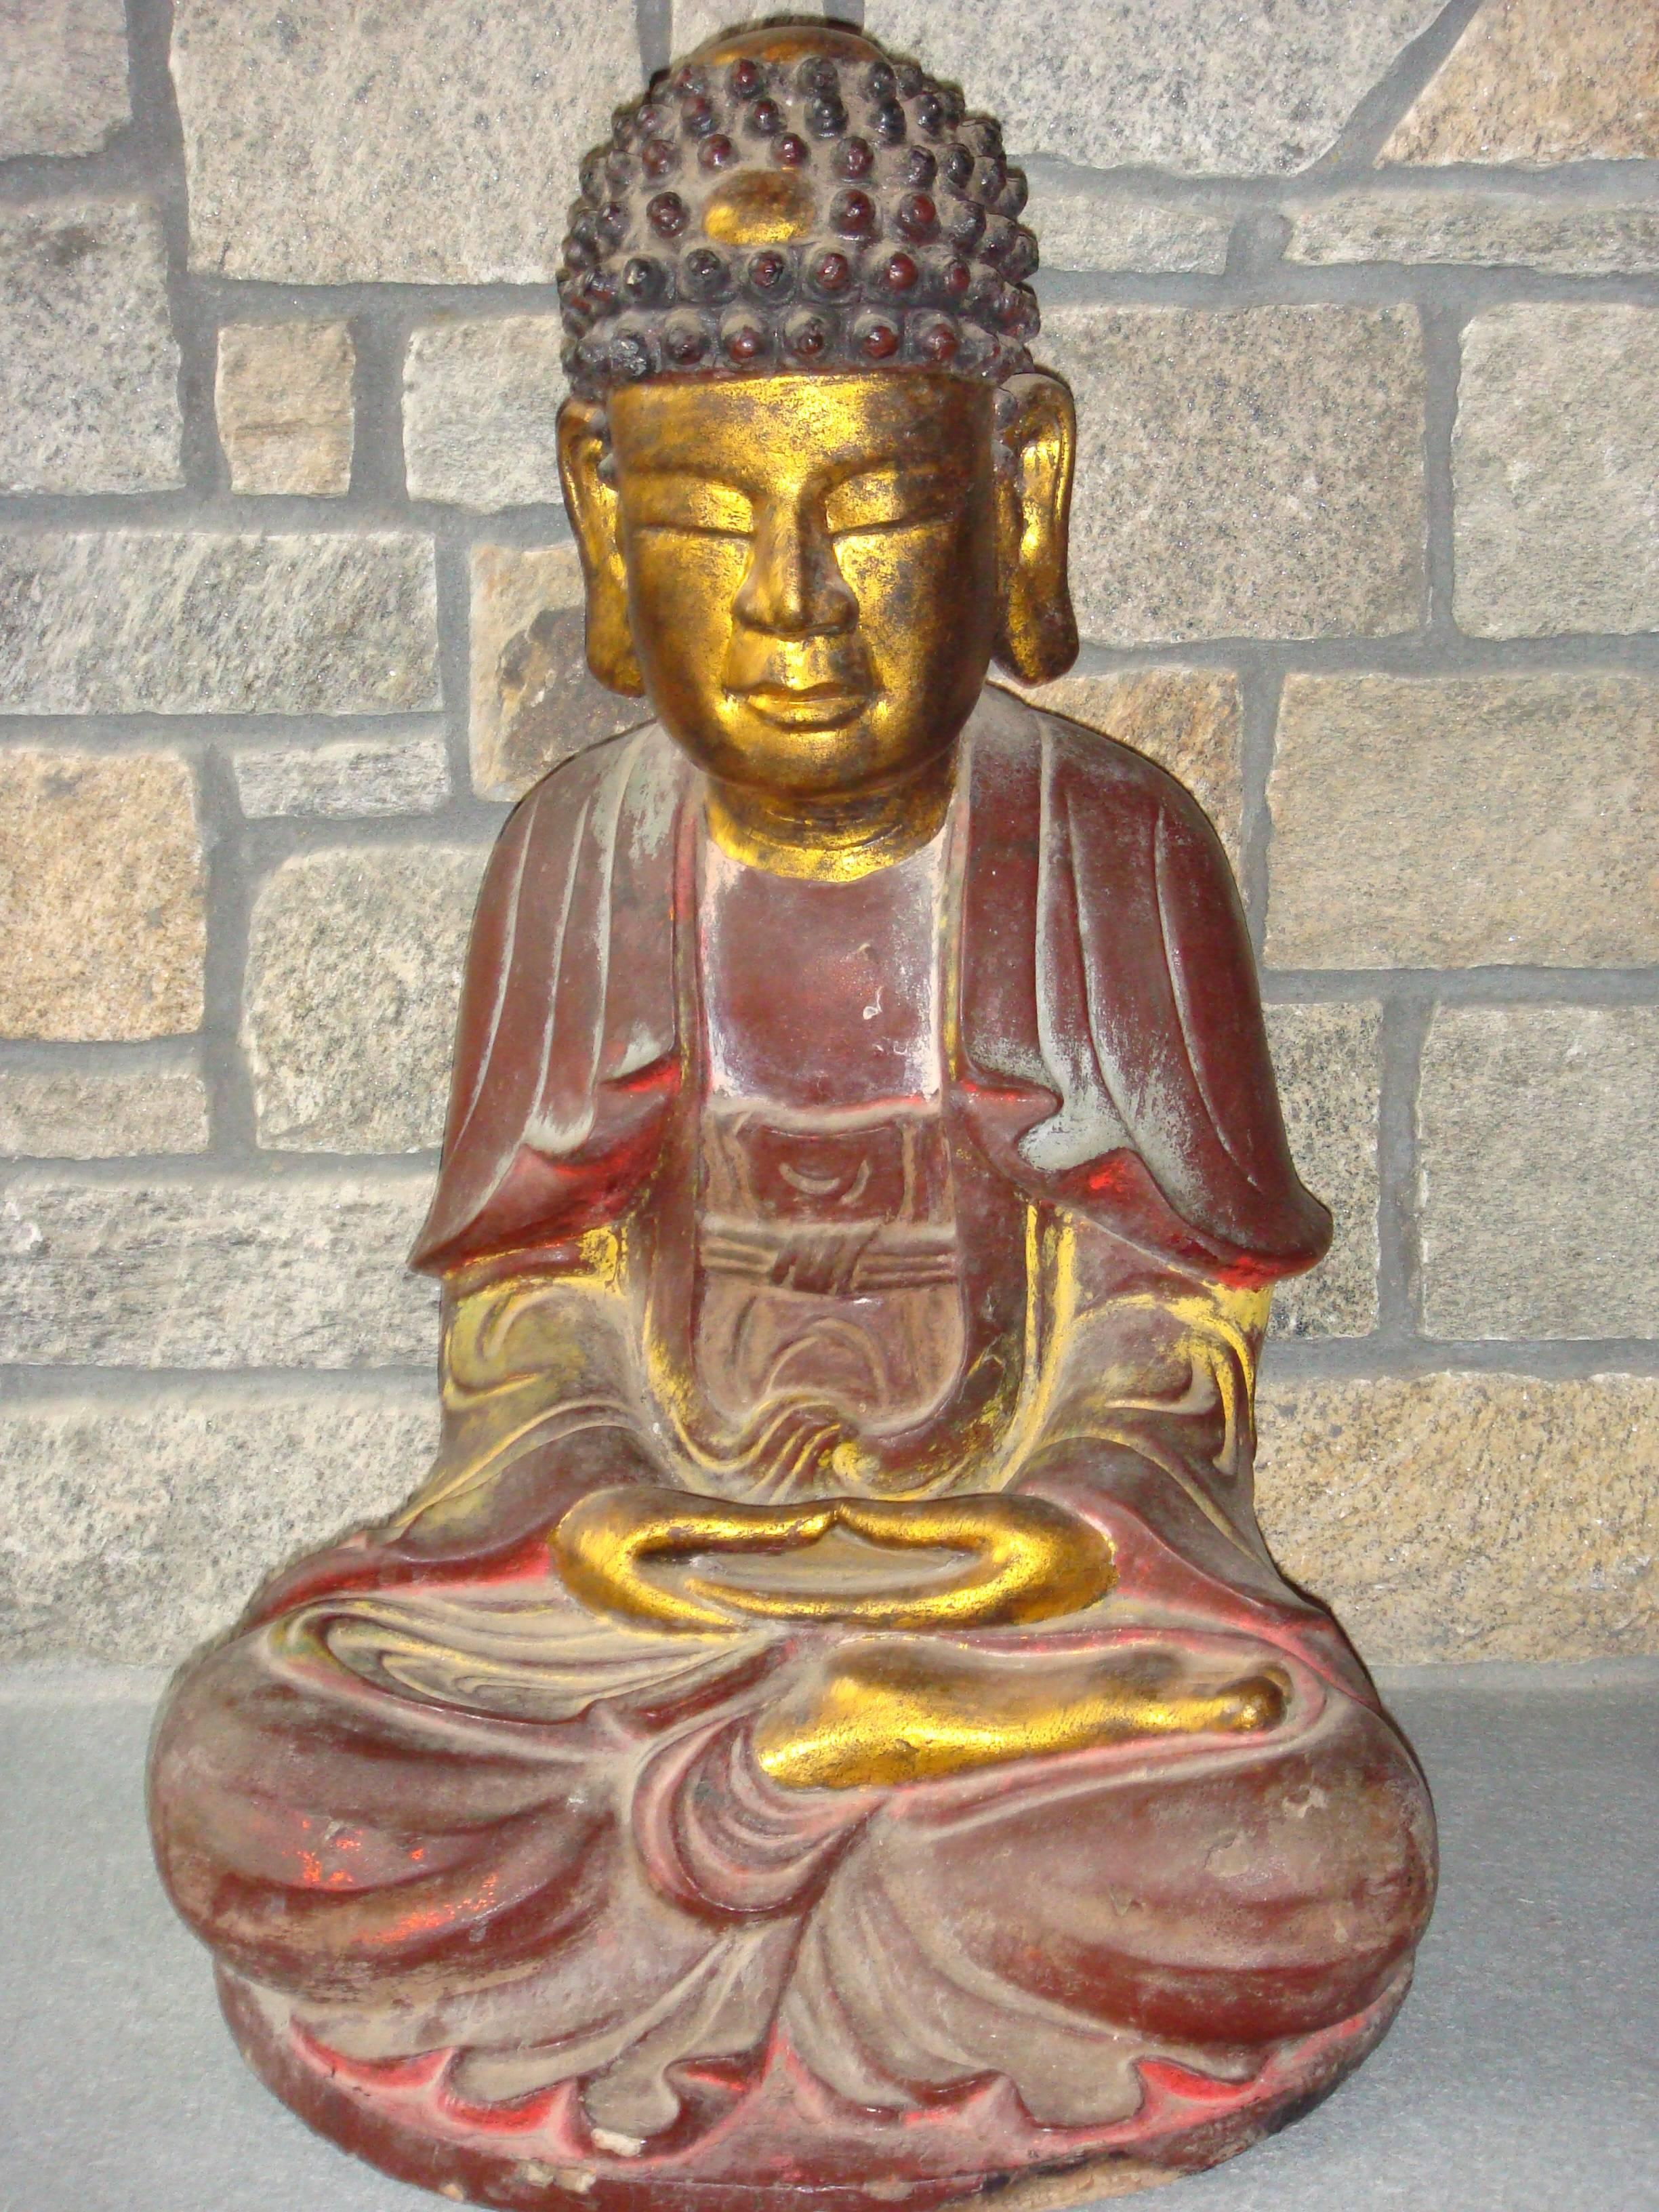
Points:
x=828 y=1725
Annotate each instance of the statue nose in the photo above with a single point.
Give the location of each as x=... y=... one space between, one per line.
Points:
x=794 y=587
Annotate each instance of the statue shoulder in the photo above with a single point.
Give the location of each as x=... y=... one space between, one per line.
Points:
x=1098 y=778
x=588 y=776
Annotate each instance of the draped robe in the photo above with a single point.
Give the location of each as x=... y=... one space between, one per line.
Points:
x=498 y=1887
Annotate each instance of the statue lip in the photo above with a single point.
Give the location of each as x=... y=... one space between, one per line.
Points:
x=806 y=706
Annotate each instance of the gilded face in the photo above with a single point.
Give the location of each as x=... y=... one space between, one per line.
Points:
x=809 y=573
x=811 y=570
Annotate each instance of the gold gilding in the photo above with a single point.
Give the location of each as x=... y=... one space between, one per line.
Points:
x=785 y=42
x=642 y=1552
x=810 y=576
x=760 y=209
x=892 y=1711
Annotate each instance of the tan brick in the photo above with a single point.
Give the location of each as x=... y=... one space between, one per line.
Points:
x=1470 y=1516
x=354 y=968
x=1541 y=80
x=102 y=931
x=1327 y=1059
x=533 y=701
x=1553 y=471
x=1538 y=1155
x=284 y=397
x=1187 y=719
x=1244 y=473
x=1464 y=822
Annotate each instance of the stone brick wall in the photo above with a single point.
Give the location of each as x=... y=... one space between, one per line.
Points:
x=1361 y=306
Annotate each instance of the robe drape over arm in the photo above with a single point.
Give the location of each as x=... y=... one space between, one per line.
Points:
x=565 y=1051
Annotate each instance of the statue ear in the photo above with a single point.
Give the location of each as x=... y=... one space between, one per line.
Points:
x=596 y=517
x=1037 y=637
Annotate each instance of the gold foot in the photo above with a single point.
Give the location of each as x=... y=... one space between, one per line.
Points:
x=902 y=1710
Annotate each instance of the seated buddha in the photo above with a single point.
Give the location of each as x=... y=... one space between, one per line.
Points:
x=828 y=1723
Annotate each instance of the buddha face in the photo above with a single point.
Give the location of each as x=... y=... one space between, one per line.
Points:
x=809 y=575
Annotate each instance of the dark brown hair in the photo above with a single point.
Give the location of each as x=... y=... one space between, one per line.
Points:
x=794 y=197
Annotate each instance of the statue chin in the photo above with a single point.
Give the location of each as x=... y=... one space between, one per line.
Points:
x=827 y=1726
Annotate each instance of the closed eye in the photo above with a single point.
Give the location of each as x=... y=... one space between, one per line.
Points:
x=690 y=504
x=890 y=499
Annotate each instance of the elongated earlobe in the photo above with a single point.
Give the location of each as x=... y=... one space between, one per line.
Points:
x=595 y=518
x=1037 y=639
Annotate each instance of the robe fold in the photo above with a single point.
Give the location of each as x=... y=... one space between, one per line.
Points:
x=1109 y=1054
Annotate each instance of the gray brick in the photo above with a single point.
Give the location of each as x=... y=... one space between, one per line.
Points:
x=481 y=408
x=1329 y=1070
x=88 y=364
x=1465 y=822
x=1076 y=228
x=406 y=771
x=1253 y=472
x=129 y=1532
x=223 y=1270
x=1174 y=84
x=1557 y=487
x=354 y=969
x=326 y=145
x=694 y=21
x=66 y=1113
x=63 y=75
x=1489 y=230
x=133 y=621
x=1539 y=1151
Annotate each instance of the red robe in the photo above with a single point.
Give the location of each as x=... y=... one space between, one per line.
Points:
x=500 y=1893
x=1112 y=1057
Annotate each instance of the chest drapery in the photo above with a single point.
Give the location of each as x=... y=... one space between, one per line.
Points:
x=828 y=1262
x=1103 y=1042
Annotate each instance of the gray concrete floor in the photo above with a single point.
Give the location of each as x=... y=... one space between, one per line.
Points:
x=1522 y=2076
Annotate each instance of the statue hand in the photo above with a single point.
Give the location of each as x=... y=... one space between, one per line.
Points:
x=637 y=1552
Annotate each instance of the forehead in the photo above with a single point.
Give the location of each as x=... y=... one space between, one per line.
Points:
x=803 y=424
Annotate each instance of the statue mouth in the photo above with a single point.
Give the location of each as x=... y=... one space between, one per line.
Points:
x=806 y=706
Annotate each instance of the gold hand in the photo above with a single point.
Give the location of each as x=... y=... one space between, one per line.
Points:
x=1025 y=1558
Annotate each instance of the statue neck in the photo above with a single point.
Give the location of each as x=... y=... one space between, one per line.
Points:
x=835 y=841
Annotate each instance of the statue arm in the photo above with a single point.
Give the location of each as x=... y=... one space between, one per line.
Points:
x=541 y=1407
x=1146 y=1390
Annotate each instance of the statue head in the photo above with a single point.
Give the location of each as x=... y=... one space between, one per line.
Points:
x=816 y=483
